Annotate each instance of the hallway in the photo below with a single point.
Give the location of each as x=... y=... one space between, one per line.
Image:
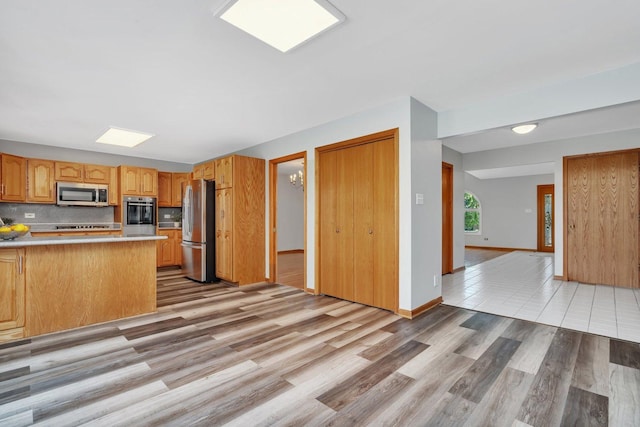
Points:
x=521 y=285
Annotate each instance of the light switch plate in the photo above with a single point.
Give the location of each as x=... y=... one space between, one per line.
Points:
x=419 y=199
x=29 y=215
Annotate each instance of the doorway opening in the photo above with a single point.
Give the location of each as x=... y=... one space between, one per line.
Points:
x=287 y=220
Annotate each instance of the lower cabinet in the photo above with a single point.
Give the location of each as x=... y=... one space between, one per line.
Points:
x=12 y=293
x=169 y=251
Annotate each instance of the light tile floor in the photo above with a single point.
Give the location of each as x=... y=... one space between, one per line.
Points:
x=521 y=285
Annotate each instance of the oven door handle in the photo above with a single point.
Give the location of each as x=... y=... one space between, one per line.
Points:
x=140 y=204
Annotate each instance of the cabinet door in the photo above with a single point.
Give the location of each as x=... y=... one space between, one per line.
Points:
x=69 y=172
x=13 y=171
x=164 y=189
x=148 y=182
x=197 y=171
x=209 y=169
x=177 y=245
x=12 y=288
x=114 y=197
x=40 y=181
x=129 y=180
x=224 y=172
x=178 y=182
x=224 y=237
x=97 y=174
x=165 y=249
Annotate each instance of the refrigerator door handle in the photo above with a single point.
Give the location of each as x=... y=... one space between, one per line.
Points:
x=192 y=245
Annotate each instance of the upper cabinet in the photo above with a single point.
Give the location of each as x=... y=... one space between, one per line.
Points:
x=114 y=197
x=69 y=172
x=224 y=172
x=80 y=172
x=136 y=181
x=13 y=178
x=97 y=174
x=170 y=186
x=40 y=181
x=206 y=170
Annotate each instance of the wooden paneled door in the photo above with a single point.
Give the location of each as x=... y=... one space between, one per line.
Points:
x=546 y=220
x=601 y=208
x=447 y=218
x=357 y=200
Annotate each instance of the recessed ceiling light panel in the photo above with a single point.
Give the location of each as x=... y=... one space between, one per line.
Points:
x=123 y=137
x=523 y=129
x=283 y=24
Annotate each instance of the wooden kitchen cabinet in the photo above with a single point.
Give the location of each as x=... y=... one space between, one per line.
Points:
x=178 y=181
x=204 y=170
x=40 y=181
x=69 y=172
x=13 y=178
x=169 y=251
x=170 y=188
x=12 y=292
x=240 y=216
x=224 y=172
x=136 y=181
x=197 y=171
x=164 y=189
x=97 y=174
x=114 y=197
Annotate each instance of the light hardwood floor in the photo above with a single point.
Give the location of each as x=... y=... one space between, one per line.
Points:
x=273 y=355
x=291 y=269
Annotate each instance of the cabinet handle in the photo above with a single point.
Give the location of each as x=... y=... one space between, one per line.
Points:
x=370 y=231
x=20 y=264
x=337 y=229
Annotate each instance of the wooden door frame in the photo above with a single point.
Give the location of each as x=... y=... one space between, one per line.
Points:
x=541 y=191
x=367 y=139
x=273 y=216
x=449 y=230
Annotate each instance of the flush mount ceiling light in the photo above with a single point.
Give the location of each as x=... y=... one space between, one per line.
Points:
x=522 y=129
x=123 y=137
x=283 y=24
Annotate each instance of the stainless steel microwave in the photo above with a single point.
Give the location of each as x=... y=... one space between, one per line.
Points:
x=78 y=194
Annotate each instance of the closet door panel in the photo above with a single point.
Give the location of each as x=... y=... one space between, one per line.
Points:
x=346 y=164
x=328 y=198
x=363 y=225
x=385 y=247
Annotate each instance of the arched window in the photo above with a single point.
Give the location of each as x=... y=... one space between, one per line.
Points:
x=472 y=213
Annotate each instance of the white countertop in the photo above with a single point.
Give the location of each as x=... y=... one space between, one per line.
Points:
x=71 y=240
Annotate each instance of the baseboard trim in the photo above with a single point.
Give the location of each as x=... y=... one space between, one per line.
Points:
x=291 y=251
x=412 y=314
x=311 y=291
x=491 y=248
x=455 y=270
x=563 y=278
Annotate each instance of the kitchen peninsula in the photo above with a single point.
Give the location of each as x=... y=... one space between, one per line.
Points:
x=52 y=284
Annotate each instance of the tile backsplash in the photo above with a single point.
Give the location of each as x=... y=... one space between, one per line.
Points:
x=46 y=214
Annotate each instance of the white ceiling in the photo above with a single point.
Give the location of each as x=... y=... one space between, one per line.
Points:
x=71 y=68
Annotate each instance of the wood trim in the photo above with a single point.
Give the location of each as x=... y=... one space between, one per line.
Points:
x=291 y=251
x=447 y=218
x=455 y=270
x=563 y=278
x=600 y=153
x=273 y=208
x=491 y=248
x=367 y=139
x=11 y=334
x=412 y=314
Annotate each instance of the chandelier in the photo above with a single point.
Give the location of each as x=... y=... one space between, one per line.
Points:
x=297 y=179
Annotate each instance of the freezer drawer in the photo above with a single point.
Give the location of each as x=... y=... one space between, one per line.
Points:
x=193 y=261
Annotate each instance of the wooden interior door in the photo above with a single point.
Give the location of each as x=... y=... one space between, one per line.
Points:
x=385 y=225
x=602 y=219
x=327 y=222
x=346 y=164
x=363 y=222
x=447 y=218
x=546 y=220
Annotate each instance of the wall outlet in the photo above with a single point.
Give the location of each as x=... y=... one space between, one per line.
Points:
x=167 y=216
x=437 y=281
x=29 y=215
x=486 y=238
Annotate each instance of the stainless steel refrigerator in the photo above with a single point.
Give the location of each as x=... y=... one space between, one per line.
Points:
x=198 y=231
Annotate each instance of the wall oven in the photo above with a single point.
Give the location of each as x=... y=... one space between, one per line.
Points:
x=139 y=216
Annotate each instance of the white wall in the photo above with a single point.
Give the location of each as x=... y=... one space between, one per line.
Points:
x=509 y=211
x=396 y=114
x=454 y=158
x=290 y=216
x=553 y=151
